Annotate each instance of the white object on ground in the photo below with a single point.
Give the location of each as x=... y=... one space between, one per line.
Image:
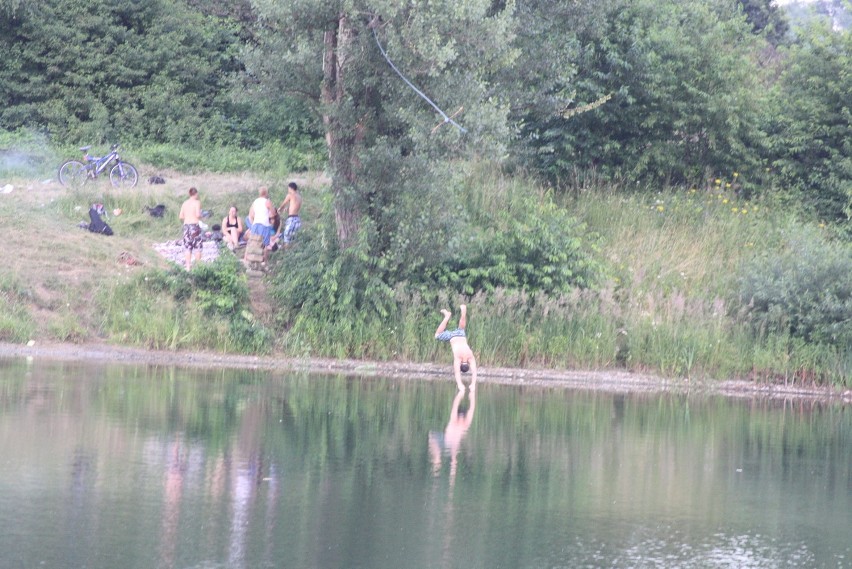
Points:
x=173 y=251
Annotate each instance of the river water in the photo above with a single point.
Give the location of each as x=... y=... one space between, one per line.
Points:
x=110 y=466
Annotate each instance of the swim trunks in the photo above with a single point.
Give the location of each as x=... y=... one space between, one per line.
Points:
x=192 y=237
x=447 y=335
x=265 y=231
x=291 y=226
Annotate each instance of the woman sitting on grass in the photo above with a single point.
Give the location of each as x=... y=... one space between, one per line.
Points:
x=232 y=228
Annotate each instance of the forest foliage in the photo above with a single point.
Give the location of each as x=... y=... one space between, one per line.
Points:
x=619 y=96
x=694 y=90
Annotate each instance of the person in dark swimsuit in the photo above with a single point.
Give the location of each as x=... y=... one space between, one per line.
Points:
x=232 y=228
x=463 y=358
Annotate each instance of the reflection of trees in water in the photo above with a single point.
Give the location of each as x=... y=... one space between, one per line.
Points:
x=227 y=442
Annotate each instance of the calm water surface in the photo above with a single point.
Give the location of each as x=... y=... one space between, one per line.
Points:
x=155 y=467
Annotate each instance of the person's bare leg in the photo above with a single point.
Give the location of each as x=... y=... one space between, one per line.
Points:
x=463 y=317
x=198 y=256
x=443 y=325
x=188 y=260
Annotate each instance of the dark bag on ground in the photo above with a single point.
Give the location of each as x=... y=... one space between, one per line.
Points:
x=156 y=211
x=97 y=224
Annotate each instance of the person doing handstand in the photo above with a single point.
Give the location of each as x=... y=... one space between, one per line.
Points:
x=463 y=358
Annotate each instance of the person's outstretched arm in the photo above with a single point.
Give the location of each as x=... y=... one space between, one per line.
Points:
x=457 y=370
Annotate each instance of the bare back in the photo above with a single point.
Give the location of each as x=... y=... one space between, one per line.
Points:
x=190 y=211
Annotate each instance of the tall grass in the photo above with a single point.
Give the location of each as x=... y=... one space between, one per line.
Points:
x=671 y=305
x=16 y=323
x=273 y=159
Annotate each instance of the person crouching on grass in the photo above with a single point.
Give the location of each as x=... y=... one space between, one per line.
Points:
x=463 y=358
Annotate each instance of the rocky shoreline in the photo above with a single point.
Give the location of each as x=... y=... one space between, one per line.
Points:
x=613 y=381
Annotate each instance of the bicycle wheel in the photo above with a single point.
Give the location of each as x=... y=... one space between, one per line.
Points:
x=73 y=174
x=123 y=175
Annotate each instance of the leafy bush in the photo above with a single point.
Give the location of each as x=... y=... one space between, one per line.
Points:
x=328 y=284
x=532 y=245
x=220 y=287
x=804 y=290
x=207 y=307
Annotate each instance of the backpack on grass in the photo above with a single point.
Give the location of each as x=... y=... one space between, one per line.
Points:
x=98 y=225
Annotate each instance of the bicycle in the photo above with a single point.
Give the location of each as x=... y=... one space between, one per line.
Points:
x=75 y=174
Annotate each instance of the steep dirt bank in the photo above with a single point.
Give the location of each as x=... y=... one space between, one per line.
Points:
x=607 y=381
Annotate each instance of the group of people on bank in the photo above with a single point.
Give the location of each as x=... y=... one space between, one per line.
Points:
x=263 y=220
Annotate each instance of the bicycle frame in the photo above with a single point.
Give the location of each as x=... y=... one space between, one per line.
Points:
x=97 y=165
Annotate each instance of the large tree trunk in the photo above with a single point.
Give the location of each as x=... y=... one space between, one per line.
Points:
x=340 y=136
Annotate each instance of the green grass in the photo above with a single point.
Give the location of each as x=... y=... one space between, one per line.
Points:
x=670 y=303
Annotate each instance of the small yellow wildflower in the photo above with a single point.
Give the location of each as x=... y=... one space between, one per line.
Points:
x=661 y=208
x=744 y=211
x=718 y=181
x=736 y=174
x=735 y=210
x=725 y=200
x=728 y=185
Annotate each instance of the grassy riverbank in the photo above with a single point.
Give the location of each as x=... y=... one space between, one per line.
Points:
x=673 y=301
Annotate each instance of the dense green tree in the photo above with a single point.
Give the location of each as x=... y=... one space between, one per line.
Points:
x=115 y=69
x=685 y=93
x=767 y=18
x=811 y=123
x=382 y=145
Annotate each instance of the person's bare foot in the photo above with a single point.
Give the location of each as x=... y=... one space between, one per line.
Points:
x=463 y=307
x=446 y=313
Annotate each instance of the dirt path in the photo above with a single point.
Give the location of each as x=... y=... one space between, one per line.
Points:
x=261 y=305
x=611 y=381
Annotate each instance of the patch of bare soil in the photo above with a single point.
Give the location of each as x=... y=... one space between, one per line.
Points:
x=261 y=305
x=612 y=381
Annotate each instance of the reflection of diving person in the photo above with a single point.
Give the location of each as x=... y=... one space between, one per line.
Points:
x=450 y=440
x=463 y=358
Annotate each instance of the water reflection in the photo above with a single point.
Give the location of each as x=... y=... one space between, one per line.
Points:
x=143 y=467
x=448 y=442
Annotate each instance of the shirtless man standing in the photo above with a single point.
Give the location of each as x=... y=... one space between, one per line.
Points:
x=190 y=214
x=293 y=222
x=463 y=358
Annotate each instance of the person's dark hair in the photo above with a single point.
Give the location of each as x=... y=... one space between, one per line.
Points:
x=293 y=185
x=464 y=367
x=192 y=191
